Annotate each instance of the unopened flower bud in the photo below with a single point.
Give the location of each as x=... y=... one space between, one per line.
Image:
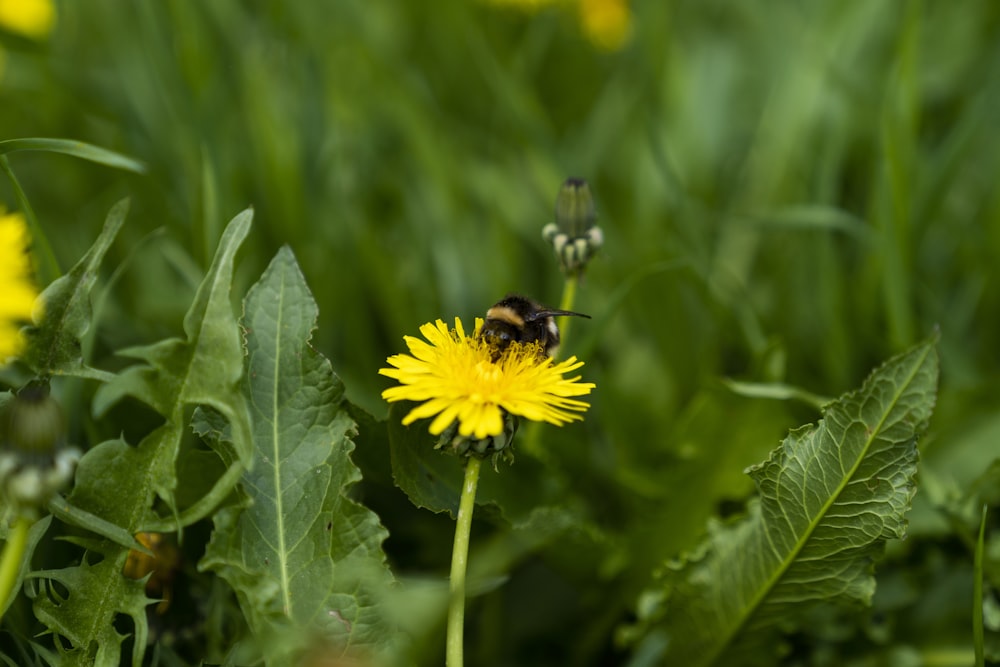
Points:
x=497 y=446
x=34 y=460
x=574 y=235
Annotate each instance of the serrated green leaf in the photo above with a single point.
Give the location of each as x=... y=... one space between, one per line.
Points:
x=830 y=496
x=54 y=346
x=112 y=484
x=303 y=554
x=98 y=593
x=205 y=368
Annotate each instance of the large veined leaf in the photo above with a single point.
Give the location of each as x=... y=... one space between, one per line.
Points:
x=204 y=368
x=829 y=497
x=54 y=346
x=301 y=556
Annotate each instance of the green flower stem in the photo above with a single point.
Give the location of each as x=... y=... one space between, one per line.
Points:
x=10 y=561
x=459 y=563
x=568 y=297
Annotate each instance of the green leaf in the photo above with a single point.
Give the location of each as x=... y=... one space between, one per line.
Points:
x=78 y=149
x=54 y=346
x=112 y=484
x=204 y=368
x=830 y=496
x=430 y=478
x=116 y=484
x=302 y=554
x=98 y=593
x=74 y=516
x=774 y=390
x=109 y=484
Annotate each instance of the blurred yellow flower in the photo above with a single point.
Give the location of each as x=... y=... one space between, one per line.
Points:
x=456 y=378
x=17 y=291
x=32 y=18
x=607 y=23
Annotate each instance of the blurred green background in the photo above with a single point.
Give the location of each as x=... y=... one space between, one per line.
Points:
x=790 y=192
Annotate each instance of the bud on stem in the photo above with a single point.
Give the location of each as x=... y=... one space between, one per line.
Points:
x=575 y=236
x=34 y=460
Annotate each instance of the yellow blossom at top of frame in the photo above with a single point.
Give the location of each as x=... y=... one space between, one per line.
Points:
x=454 y=377
x=17 y=291
x=607 y=23
x=32 y=18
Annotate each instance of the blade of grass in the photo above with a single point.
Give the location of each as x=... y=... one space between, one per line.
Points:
x=977 y=595
x=48 y=264
x=79 y=149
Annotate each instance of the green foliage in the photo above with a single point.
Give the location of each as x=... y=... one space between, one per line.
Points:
x=55 y=345
x=302 y=556
x=790 y=193
x=830 y=497
x=203 y=369
x=86 y=617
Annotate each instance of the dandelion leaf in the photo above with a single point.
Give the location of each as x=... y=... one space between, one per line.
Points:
x=114 y=483
x=829 y=497
x=54 y=346
x=304 y=558
x=430 y=478
x=98 y=594
x=203 y=368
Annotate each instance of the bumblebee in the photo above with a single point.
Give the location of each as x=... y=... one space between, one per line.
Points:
x=517 y=318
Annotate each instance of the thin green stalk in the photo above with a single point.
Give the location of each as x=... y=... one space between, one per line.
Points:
x=459 y=564
x=568 y=297
x=10 y=561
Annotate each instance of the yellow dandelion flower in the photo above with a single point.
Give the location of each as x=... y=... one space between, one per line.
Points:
x=17 y=292
x=455 y=378
x=32 y=18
